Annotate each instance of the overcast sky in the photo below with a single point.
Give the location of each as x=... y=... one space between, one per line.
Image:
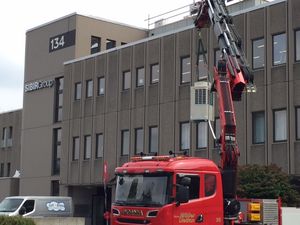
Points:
x=16 y=17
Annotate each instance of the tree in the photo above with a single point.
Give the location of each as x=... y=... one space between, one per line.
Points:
x=255 y=181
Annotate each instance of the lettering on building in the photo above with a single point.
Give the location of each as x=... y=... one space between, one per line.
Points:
x=37 y=85
x=61 y=41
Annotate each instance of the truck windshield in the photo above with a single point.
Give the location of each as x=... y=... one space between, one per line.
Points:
x=143 y=189
x=10 y=205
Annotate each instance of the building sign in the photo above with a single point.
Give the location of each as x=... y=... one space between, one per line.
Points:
x=62 y=41
x=37 y=85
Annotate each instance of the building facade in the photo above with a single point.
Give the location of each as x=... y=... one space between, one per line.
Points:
x=10 y=150
x=96 y=91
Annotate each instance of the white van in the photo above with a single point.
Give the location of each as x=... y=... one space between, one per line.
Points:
x=37 y=206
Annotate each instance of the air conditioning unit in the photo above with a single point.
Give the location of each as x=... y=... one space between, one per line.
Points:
x=202 y=102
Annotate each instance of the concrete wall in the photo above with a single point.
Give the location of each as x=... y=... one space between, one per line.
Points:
x=9 y=187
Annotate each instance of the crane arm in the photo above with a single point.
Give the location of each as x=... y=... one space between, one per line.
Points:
x=231 y=77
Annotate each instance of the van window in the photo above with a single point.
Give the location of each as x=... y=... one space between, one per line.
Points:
x=210 y=184
x=194 y=186
x=29 y=206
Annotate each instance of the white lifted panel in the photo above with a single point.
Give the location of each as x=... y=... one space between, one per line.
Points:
x=202 y=101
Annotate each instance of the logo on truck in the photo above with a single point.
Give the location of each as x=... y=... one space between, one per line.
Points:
x=132 y=212
x=56 y=206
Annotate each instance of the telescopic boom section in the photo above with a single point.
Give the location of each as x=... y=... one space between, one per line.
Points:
x=231 y=77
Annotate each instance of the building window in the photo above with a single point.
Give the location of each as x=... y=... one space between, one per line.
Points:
x=185 y=70
x=2 y=170
x=185 y=136
x=258 y=126
x=123 y=43
x=297 y=44
x=258 y=53
x=76 y=148
x=77 y=91
x=8 y=169
x=110 y=43
x=54 y=188
x=56 y=151
x=139 y=140
x=217 y=127
x=280 y=125
x=217 y=57
x=298 y=123
x=126 y=80
x=87 y=146
x=95 y=44
x=125 y=142
x=153 y=139
x=279 y=49
x=4 y=133
x=59 y=84
x=89 y=88
x=154 y=73
x=202 y=134
x=99 y=145
x=101 y=86
x=202 y=66
x=140 y=77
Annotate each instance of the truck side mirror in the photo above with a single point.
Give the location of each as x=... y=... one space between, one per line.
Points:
x=182 y=194
x=22 y=211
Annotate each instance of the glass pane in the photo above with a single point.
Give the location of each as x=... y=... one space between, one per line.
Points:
x=60 y=83
x=258 y=53
x=153 y=139
x=280 y=125
x=210 y=184
x=279 y=49
x=77 y=91
x=140 y=77
x=185 y=136
x=95 y=44
x=258 y=127
x=126 y=80
x=154 y=73
x=76 y=148
x=185 y=70
x=87 y=147
x=139 y=140
x=125 y=142
x=89 y=88
x=101 y=86
x=99 y=152
x=59 y=114
x=202 y=67
x=297 y=45
x=202 y=135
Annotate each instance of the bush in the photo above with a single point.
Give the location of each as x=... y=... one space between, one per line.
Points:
x=15 y=220
x=266 y=182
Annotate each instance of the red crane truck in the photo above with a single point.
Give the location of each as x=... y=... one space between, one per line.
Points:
x=173 y=189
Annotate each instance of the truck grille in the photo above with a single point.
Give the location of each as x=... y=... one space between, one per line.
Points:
x=133 y=221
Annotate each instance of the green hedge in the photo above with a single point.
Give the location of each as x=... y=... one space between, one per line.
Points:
x=15 y=220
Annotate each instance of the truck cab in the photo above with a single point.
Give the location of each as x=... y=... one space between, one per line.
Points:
x=168 y=190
